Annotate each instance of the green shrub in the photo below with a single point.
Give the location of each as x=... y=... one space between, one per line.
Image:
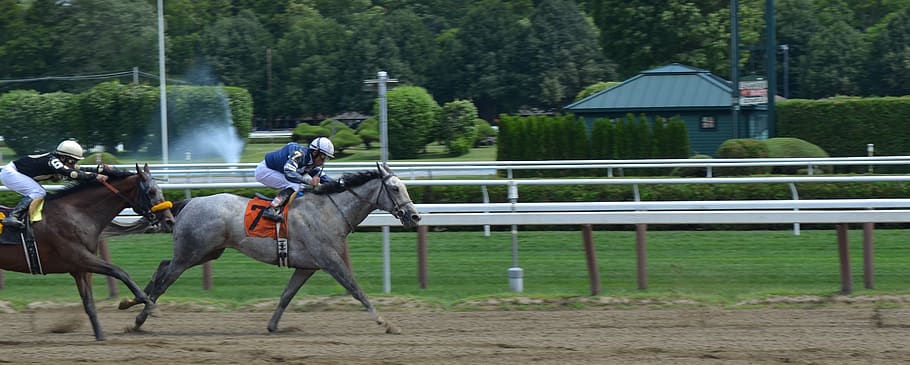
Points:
x=304 y=133
x=794 y=147
x=691 y=171
x=743 y=148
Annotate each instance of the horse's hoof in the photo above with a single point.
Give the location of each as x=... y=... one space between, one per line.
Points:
x=393 y=330
x=133 y=329
x=126 y=303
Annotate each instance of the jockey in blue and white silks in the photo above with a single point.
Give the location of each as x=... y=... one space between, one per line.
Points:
x=292 y=167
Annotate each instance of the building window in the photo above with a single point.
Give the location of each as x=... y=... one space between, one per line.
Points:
x=708 y=123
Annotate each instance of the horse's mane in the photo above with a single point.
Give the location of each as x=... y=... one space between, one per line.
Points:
x=77 y=186
x=348 y=180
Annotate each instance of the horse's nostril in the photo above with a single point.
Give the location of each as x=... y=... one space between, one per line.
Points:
x=415 y=217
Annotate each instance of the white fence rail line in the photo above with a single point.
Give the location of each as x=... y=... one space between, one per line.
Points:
x=414 y=169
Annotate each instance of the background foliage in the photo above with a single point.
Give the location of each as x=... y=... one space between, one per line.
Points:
x=307 y=59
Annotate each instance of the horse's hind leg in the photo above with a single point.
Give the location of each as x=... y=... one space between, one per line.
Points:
x=149 y=288
x=168 y=272
x=345 y=276
x=84 y=285
x=299 y=277
x=97 y=265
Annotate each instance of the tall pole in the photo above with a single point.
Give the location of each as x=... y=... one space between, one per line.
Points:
x=383 y=77
x=734 y=66
x=771 y=65
x=162 y=82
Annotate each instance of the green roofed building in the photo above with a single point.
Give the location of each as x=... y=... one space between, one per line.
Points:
x=700 y=98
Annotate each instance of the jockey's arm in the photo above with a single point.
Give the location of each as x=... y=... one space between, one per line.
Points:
x=291 y=167
x=79 y=174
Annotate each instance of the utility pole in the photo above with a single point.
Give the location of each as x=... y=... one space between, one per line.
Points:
x=771 y=65
x=734 y=65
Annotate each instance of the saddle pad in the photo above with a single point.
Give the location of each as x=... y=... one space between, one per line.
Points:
x=257 y=226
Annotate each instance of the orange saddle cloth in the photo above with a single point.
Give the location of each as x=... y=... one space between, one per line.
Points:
x=258 y=226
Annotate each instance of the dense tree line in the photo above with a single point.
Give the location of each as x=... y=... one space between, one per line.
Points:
x=309 y=58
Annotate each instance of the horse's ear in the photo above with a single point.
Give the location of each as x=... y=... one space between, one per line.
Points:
x=383 y=169
x=147 y=169
x=137 y=168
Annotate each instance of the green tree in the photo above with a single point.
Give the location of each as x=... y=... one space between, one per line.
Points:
x=888 y=65
x=564 y=52
x=334 y=126
x=642 y=34
x=490 y=52
x=796 y=24
x=594 y=89
x=129 y=41
x=235 y=50
x=368 y=130
x=306 y=65
x=32 y=122
x=833 y=64
x=345 y=139
x=455 y=129
x=412 y=113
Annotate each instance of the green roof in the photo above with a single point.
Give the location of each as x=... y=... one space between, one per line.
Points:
x=674 y=86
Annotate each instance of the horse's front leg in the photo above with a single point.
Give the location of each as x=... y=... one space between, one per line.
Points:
x=299 y=278
x=96 y=265
x=84 y=285
x=344 y=275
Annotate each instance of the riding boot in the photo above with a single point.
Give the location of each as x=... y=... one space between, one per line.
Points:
x=274 y=210
x=14 y=219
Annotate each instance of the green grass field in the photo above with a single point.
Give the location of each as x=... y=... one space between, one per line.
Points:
x=719 y=267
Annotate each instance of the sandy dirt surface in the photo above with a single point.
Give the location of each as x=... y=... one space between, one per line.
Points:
x=598 y=336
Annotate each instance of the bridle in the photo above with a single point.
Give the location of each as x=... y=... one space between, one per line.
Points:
x=144 y=206
x=396 y=211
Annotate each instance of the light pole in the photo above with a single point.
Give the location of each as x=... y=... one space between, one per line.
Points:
x=162 y=81
x=382 y=80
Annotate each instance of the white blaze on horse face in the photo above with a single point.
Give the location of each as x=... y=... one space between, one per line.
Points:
x=406 y=211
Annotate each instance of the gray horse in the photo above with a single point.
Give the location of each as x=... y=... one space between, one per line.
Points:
x=319 y=224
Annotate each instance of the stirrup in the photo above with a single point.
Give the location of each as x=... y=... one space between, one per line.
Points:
x=12 y=222
x=273 y=213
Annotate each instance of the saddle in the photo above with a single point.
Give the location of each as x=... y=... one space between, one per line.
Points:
x=257 y=226
x=24 y=236
x=10 y=235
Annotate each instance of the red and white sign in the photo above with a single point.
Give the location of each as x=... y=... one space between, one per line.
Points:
x=753 y=92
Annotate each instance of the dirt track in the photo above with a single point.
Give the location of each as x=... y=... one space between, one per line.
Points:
x=614 y=336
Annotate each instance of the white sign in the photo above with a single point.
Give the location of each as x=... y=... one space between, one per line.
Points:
x=753 y=92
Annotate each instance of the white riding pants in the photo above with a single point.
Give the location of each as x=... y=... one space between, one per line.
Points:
x=16 y=181
x=273 y=179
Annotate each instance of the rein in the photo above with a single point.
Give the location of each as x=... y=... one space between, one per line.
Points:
x=396 y=207
x=147 y=213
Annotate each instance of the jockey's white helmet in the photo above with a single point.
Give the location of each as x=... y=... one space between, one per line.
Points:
x=324 y=145
x=70 y=148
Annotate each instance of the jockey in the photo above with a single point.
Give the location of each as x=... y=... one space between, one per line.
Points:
x=23 y=174
x=292 y=167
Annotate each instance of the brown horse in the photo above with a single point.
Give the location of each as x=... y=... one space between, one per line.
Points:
x=69 y=234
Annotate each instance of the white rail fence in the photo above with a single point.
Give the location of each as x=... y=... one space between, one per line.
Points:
x=838 y=212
